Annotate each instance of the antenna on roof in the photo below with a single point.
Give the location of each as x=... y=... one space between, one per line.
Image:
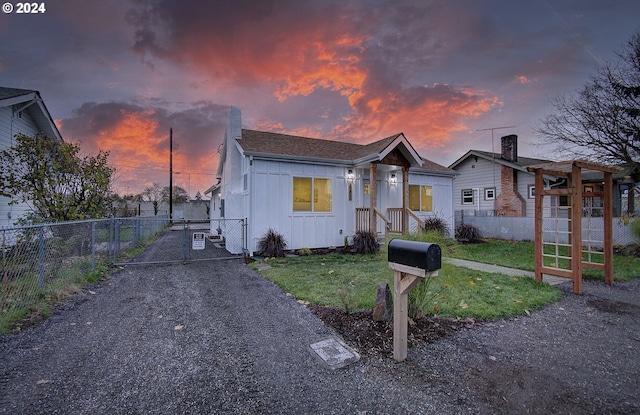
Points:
x=493 y=153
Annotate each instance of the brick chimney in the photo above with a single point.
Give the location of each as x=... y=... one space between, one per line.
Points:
x=509 y=202
x=510 y=148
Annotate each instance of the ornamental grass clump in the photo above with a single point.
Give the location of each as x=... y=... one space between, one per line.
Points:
x=365 y=242
x=272 y=244
x=436 y=223
x=468 y=233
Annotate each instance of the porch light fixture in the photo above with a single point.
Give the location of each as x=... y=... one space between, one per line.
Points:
x=393 y=179
x=350 y=175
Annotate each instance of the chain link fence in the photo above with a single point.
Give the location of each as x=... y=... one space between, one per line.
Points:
x=40 y=262
x=43 y=261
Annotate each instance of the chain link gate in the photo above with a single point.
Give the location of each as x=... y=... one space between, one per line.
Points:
x=142 y=241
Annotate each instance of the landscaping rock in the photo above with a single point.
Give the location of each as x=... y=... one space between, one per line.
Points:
x=383 y=308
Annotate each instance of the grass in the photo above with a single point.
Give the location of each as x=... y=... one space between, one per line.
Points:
x=350 y=281
x=520 y=255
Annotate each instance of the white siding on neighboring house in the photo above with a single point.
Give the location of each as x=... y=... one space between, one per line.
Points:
x=10 y=125
x=477 y=176
x=525 y=180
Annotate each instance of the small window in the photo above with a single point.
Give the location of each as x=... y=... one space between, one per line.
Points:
x=303 y=190
x=532 y=191
x=367 y=189
x=421 y=198
x=467 y=196
x=490 y=193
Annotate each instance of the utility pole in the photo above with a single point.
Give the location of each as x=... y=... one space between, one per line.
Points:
x=493 y=153
x=171 y=174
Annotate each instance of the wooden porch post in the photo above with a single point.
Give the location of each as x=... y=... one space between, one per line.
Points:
x=405 y=200
x=373 y=197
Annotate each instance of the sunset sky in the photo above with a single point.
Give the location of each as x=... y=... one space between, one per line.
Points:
x=116 y=75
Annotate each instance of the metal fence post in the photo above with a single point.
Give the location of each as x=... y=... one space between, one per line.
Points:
x=41 y=258
x=185 y=241
x=93 y=246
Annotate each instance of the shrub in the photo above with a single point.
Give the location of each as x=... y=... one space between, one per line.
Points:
x=466 y=232
x=635 y=228
x=304 y=252
x=436 y=223
x=365 y=242
x=272 y=244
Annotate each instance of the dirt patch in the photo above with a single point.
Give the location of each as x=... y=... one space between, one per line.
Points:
x=371 y=337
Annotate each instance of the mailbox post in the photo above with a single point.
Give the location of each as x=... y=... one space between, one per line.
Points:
x=410 y=261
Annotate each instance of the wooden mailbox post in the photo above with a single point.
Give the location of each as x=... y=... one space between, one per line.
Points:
x=410 y=261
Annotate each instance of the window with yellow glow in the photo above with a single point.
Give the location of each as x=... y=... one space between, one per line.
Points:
x=421 y=198
x=302 y=195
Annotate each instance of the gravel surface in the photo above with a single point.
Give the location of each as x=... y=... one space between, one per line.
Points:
x=215 y=337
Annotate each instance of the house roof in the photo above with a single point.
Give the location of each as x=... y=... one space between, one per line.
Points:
x=521 y=164
x=313 y=149
x=31 y=101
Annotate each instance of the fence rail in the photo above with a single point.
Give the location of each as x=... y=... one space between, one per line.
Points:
x=38 y=261
x=522 y=229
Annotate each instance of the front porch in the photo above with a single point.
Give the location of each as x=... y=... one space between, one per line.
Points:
x=395 y=221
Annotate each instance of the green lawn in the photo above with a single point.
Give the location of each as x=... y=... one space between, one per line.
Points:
x=520 y=255
x=350 y=281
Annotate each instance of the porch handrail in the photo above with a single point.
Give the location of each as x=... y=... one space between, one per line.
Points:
x=387 y=222
x=414 y=216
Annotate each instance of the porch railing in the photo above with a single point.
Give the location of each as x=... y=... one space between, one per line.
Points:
x=393 y=220
x=362 y=220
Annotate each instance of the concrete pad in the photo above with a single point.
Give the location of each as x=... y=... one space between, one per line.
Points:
x=335 y=353
x=497 y=269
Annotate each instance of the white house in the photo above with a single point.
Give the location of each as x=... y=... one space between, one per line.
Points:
x=317 y=192
x=21 y=111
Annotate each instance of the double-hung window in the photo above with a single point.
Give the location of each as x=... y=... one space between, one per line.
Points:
x=467 y=196
x=311 y=194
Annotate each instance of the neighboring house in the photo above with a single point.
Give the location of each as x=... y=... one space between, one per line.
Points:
x=491 y=184
x=21 y=111
x=318 y=192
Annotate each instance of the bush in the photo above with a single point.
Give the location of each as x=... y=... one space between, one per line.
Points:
x=272 y=244
x=436 y=223
x=634 y=225
x=365 y=242
x=304 y=252
x=466 y=232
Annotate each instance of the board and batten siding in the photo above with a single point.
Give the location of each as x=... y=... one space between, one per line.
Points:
x=442 y=195
x=271 y=189
x=11 y=125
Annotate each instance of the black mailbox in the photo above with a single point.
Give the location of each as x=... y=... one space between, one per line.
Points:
x=415 y=254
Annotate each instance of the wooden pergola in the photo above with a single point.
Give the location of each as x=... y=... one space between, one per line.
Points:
x=571 y=250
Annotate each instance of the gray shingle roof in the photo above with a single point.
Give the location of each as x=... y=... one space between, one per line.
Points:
x=262 y=142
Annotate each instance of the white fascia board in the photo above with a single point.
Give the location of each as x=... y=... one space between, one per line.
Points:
x=7 y=102
x=299 y=159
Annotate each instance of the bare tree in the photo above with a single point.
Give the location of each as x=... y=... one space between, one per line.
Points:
x=601 y=121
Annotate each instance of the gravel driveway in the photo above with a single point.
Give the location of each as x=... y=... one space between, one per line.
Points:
x=215 y=337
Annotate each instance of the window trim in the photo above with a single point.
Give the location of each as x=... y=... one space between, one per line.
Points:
x=487 y=190
x=462 y=194
x=420 y=186
x=312 y=195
